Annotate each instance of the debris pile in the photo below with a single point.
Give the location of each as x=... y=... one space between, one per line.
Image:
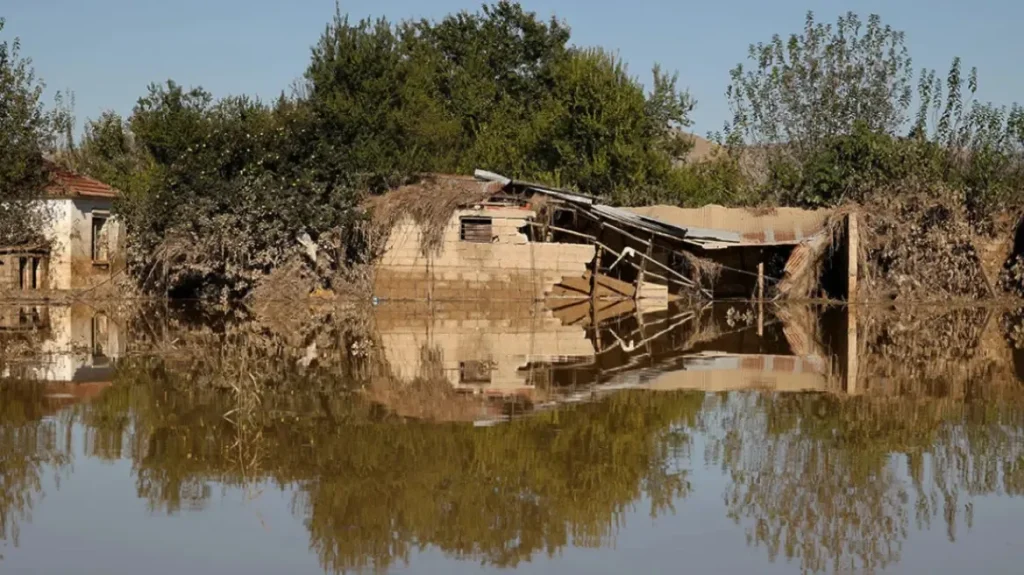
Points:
x=1012 y=278
x=920 y=247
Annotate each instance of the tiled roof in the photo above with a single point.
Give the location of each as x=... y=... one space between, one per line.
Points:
x=67 y=184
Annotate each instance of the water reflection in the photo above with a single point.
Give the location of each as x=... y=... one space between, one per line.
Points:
x=509 y=435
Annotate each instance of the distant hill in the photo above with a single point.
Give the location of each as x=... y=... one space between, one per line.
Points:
x=703 y=148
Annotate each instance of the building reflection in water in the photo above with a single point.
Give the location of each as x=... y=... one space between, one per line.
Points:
x=73 y=349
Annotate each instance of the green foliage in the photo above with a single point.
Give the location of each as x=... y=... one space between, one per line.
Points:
x=599 y=132
x=373 y=102
x=234 y=185
x=494 y=71
x=217 y=192
x=27 y=131
x=821 y=83
x=498 y=88
x=822 y=117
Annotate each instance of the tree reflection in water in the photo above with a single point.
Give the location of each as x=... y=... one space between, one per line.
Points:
x=33 y=441
x=834 y=483
x=831 y=482
x=372 y=487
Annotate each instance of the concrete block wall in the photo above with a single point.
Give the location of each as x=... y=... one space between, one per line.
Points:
x=509 y=340
x=509 y=267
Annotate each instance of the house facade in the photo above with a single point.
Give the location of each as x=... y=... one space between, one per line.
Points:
x=485 y=253
x=85 y=239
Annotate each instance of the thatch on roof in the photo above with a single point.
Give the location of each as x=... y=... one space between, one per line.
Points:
x=430 y=202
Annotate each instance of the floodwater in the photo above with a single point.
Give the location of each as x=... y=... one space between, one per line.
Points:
x=455 y=439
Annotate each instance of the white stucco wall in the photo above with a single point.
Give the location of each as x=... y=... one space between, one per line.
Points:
x=74 y=337
x=71 y=265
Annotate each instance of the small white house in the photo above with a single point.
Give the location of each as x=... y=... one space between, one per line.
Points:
x=85 y=245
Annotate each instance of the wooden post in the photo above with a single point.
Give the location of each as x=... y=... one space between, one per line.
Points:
x=44 y=272
x=852 y=375
x=594 y=286
x=852 y=249
x=760 y=294
x=643 y=270
x=760 y=281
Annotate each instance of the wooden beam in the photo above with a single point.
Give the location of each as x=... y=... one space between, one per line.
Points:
x=682 y=279
x=565 y=231
x=852 y=249
x=643 y=270
x=760 y=281
x=852 y=371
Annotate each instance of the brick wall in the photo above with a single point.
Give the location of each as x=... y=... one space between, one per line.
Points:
x=508 y=268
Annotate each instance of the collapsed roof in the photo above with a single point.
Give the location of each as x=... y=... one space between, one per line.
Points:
x=710 y=227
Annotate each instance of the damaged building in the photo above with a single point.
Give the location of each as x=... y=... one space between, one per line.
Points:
x=84 y=240
x=501 y=239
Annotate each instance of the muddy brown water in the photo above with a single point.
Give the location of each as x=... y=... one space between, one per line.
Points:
x=463 y=439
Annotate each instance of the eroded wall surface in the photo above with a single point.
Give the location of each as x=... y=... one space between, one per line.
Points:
x=71 y=259
x=507 y=268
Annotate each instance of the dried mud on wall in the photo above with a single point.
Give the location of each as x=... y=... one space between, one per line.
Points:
x=509 y=268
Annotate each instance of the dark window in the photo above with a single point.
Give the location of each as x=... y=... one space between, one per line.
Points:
x=476 y=230
x=26 y=273
x=100 y=335
x=475 y=372
x=100 y=240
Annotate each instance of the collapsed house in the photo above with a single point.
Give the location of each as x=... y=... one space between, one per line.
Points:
x=500 y=239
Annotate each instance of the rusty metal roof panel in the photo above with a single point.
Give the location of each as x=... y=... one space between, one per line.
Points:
x=722 y=227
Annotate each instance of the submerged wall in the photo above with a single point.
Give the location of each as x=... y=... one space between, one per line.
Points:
x=479 y=347
x=507 y=267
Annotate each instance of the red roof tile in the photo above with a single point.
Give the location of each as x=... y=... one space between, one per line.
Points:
x=67 y=184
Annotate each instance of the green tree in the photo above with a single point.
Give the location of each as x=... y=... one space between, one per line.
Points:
x=821 y=83
x=27 y=132
x=599 y=131
x=374 y=106
x=495 y=69
x=233 y=186
x=499 y=88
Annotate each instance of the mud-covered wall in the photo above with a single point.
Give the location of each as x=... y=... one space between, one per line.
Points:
x=510 y=267
x=71 y=262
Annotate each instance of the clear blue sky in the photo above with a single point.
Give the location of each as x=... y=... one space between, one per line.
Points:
x=108 y=51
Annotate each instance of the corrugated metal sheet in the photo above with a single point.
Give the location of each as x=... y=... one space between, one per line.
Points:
x=716 y=225
x=710 y=227
x=631 y=219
